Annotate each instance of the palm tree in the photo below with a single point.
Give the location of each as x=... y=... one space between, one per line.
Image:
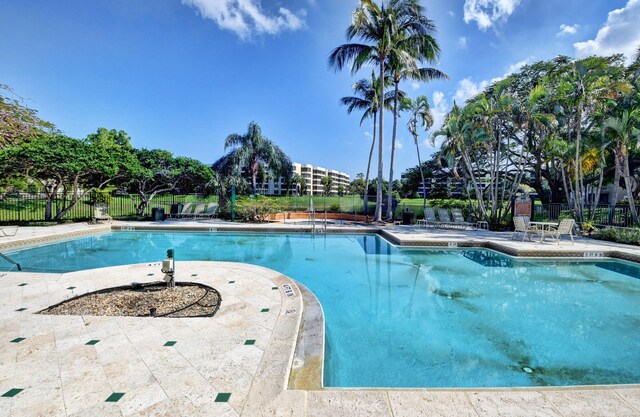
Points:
x=366 y=98
x=375 y=25
x=251 y=154
x=420 y=116
x=413 y=43
x=624 y=132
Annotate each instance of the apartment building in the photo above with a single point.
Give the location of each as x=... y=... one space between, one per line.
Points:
x=313 y=176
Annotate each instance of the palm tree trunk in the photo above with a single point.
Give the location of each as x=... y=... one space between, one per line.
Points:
x=393 y=151
x=378 y=213
x=628 y=182
x=424 y=191
x=366 y=178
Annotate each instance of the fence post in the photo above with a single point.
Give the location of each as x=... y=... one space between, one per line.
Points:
x=19 y=208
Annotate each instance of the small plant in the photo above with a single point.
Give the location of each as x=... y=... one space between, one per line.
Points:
x=335 y=208
x=256 y=210
x=620 y=235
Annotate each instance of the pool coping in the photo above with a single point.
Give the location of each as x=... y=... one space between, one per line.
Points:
x=387 y=234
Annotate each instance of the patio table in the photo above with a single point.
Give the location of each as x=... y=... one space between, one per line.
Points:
x=544 y=227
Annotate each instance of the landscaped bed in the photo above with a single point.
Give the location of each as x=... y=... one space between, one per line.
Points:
x=186 y=299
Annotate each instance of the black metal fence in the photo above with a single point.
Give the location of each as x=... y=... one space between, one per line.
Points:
x=30 y=207
x=602 y=215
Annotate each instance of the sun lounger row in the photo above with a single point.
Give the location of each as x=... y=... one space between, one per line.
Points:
x=197 y=211
x=445 y=220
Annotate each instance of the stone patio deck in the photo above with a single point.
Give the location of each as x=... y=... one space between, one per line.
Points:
x=71 y=365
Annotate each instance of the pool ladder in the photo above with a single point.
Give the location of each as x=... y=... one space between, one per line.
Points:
x=11 y=261
x=318 y=230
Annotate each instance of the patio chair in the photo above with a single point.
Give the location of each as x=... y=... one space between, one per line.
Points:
x=197 y=212
x=429 y=218
x=9 y=230
x=187 y=208
x=445 y=219
x=564 y=228
x=458 y=218
x=211 y=211
x=521 y=225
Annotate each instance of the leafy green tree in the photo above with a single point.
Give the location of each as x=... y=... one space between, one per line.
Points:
x=67 y=168
x=252 y=153
x=17 y=121
x=375 y=25
x=157 y=171
x=366 y=98
x=412 y=44
x=420 y=116
x=625 y=133
x=327 y=183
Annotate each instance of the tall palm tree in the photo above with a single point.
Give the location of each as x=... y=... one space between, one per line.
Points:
x=420 y=116
x=625 y=133
x=366 y=97
x=375 y=25
x=413 y=43
x=251 y=154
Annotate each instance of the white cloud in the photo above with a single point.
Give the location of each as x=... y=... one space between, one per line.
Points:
x=462 y=42
x=467 y=89
x=568 y=30
x=487 y=13
x=246 y=17
x=620 y=34
x=451 y=13
x=415 y=84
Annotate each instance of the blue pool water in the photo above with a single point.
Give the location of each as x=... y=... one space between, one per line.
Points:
x=417 y=317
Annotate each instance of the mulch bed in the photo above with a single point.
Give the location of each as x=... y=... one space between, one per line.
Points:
x=184 y=300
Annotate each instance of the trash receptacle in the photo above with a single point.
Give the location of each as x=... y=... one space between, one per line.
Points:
x=407 y=217
x=157 y=214
x=175 y=210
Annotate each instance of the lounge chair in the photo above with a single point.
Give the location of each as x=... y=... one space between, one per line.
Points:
x=210 y=212
x=429 y=218
x=197 y=212
x=521 y=225
x=458 y=218
x=564 y=228
x=9 y=230
x=445 y=219
x=186 y=208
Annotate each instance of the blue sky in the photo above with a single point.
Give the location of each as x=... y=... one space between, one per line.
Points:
x=182 y=75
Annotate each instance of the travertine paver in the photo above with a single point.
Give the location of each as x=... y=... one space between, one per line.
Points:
x=61 y=374
x=430 y=403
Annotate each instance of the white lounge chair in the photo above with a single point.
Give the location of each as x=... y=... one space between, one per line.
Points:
x=197 y=212
x=458 y=218
x=186 y=208
x=521 y=225
x=210 y=212
x=564 y=228
x=429 y=218
x=9 y=230
x=445 y=219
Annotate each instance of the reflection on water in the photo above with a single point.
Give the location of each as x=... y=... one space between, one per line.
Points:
x=422 y=318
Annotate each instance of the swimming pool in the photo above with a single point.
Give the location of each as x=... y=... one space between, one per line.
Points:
x=420 y=317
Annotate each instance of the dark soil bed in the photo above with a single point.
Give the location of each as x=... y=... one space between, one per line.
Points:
x=187 y=299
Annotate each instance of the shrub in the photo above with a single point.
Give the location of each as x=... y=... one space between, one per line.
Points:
x=622 y=235
x=335 y=208
x=256 y=210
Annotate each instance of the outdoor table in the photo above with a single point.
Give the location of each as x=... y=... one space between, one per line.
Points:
x=543 y=227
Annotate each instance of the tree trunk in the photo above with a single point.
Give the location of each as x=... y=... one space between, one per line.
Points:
x=366 y=178
x=378 y=212
x=628 y=182
x=424 y=191
x=393 y=151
